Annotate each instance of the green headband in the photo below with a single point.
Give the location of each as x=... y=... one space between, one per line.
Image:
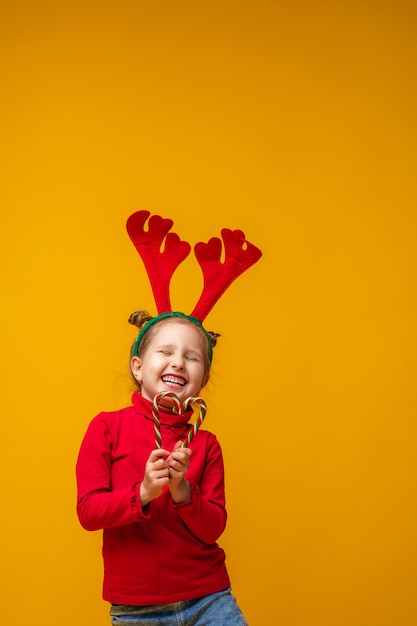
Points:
x=167 y=314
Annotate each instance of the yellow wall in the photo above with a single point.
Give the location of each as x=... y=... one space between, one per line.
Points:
x=296 y=122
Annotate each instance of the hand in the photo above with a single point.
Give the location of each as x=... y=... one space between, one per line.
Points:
x=156 y=476
x=178 y=463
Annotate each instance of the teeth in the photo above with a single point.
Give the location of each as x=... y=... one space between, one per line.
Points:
x=172 y=380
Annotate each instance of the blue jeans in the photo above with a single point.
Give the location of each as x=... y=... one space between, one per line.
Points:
x=217 y=609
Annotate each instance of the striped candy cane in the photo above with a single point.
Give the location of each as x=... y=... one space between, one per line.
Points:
x=201 y=415
x=155 y=413
x=177 y=408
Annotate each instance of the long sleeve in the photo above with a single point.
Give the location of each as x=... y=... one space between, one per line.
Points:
x=98 y=505
x=205 y=513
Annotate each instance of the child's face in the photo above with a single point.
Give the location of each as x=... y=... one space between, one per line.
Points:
x=173 y=361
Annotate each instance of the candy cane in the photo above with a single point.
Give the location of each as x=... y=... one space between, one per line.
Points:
x=177 y=408
x=201 y=415
x=155 y=413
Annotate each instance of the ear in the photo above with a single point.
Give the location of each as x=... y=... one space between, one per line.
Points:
x=136 y=368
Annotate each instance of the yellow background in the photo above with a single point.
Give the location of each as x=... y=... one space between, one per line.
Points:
x=295 y=122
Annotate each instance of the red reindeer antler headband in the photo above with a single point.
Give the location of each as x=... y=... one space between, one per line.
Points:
x=160 y=264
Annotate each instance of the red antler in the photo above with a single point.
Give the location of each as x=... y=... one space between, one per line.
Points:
x=159 y=265
x=218 y=276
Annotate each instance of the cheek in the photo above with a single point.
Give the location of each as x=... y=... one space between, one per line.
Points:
x=201 y=376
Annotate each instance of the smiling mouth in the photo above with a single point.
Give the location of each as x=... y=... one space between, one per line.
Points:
x=173 y=380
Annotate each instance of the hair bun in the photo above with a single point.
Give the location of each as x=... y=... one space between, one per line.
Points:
x=139 y=318
x=213 y=336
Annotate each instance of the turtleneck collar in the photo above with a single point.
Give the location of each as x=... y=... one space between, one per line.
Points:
x=166 y=416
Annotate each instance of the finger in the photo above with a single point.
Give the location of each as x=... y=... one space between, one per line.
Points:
x=178 y=456
x=178 y=466
x=160 y=474
x=175 y=465
x=159 y=453
x=175 y=472
x=182 y=455
x=160 y=464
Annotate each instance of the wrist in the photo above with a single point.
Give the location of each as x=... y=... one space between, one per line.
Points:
x=181 y=492
x=143 y=495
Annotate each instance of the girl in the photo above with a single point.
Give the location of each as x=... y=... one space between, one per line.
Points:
x=161 y=510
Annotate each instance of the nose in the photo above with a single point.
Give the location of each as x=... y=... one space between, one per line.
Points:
x=177 y=362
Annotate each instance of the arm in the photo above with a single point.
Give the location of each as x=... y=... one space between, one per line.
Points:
x=98 y=506
x=204 y=511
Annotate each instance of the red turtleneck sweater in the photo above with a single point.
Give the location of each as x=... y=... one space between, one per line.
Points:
x=165 y=552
